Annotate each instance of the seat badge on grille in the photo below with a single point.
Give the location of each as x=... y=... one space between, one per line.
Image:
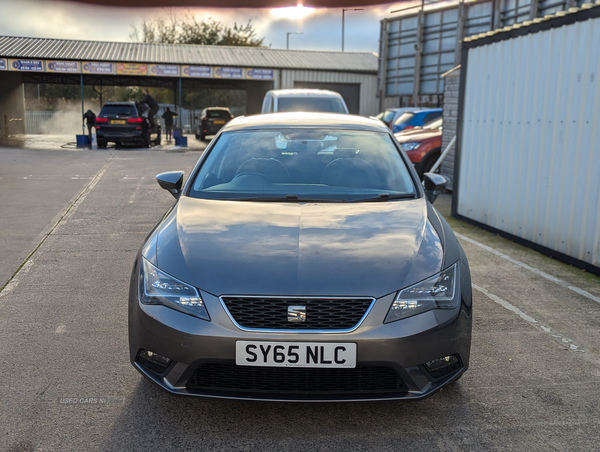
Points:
x=296 y=314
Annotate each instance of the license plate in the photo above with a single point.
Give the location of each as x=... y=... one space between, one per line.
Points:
x=219 y=122
x=295 y=354
x=118 y=121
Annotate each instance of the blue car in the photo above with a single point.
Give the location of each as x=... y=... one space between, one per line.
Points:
x=416 y=118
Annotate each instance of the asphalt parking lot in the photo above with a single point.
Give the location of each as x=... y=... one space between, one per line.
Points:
x=71 y=222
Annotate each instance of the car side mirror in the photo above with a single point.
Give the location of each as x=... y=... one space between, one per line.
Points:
x=434 y=184
x=171 y=181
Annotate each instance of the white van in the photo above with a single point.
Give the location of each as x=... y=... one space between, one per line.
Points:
x=282 y=100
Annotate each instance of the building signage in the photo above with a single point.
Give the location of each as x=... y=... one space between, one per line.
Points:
x=229 y=72
x=131 y=69
x=3 y=64
x=27 y=65
x=259 y=74
x=197 y=71
x=94 y=67
x=62 y=66
x=163 y=70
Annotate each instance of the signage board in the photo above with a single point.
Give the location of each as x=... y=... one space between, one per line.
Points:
x=259 y=74
x=163 y=70
x=132 y=69
x=26 y=65
x=63 y=67
x=3 y=64
x=229 y=72
x=97 y=67
x=196 y=71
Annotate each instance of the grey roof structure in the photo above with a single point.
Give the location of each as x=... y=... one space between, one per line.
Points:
x=259 y=57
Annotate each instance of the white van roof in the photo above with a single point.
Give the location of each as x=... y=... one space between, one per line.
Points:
x=304 y=92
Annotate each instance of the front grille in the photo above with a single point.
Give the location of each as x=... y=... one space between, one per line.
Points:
x=294 y=382
x=321 y=313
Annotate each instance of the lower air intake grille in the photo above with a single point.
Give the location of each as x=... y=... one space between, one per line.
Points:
x=300 y=382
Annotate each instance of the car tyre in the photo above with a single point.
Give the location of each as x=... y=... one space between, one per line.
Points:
x=428 y=162
x=158 y=138
x=101 y=144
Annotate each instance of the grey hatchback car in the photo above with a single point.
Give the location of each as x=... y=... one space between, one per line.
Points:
x=302 y=261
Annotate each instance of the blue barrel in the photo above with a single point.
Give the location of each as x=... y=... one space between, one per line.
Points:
x=181 y=141
x=83 y=141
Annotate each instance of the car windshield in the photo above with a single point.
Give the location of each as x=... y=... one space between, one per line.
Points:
x=303 y=164
x=405 y=118
x=319 y=104
x=218 y=114
x=435 y=124
x=118 y=110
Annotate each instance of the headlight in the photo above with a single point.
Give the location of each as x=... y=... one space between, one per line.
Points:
x=156 y=287
x=438 y=292
x=410 y=146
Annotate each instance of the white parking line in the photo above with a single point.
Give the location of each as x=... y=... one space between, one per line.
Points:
x=537 y=271
x=13 y=282
x=505 y=304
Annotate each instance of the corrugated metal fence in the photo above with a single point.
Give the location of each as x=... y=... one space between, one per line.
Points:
x=530 y=138
x=35 y=120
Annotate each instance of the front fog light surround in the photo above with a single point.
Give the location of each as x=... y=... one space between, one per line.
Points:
x=153 y=361
x=441 y=367
x=438 y=292
x=157 y=287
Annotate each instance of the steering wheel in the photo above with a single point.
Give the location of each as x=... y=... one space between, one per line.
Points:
x=252 y=173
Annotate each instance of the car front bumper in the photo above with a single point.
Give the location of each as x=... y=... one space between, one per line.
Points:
x=390 y=357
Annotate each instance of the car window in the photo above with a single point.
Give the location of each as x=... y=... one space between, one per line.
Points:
x=324 y=164
x=118 y=110
x=220 y=114
x=435 y=124
x=388 y=116
x=405 y=118
x=431 y=116
x=320 y=104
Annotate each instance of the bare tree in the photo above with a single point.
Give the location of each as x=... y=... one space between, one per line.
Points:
x=187 y=29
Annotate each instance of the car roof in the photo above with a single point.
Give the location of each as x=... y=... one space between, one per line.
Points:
x=119 y=103
x=426 y=110
x=303 y=92
x=217 y=108
x=305 y=119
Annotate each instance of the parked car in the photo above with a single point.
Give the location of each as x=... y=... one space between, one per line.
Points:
x=212 y=119
x=317 y=100
x=422 y=145
x=302 y=261
x=416 y=118
x=125 y=123
x=389 y=116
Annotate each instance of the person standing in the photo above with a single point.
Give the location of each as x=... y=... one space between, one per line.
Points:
x=90 y=121
x=152 y=104
x=168 y=117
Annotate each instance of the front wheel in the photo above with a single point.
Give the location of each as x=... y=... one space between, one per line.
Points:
x=157 y=140
x=427 y=163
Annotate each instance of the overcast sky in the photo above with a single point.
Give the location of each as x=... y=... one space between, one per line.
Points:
x=322 y=27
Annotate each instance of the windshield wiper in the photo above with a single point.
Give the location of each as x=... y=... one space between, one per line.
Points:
x=386 y=197
x=286 y=198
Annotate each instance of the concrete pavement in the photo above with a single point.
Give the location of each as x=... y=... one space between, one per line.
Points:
x=66 y=383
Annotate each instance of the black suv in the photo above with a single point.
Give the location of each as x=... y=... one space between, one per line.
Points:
x=125 y=123
x=212 y=119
